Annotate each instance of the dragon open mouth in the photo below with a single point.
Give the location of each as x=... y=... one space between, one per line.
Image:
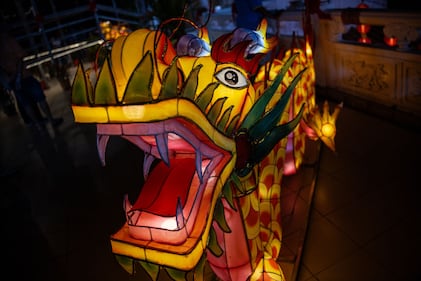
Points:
x=179 y=187
x=175 y=205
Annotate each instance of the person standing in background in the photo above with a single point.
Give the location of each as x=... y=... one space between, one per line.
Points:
x=201 y=10
x=29 y=94
x=249 y=13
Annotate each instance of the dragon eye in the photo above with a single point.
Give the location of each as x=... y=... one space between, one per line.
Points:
x=232 y=78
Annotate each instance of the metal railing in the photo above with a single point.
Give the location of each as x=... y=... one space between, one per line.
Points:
x=66 y=32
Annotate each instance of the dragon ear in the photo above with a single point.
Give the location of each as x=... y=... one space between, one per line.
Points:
x=256 y=112
x=259 y=132
x=261 y=150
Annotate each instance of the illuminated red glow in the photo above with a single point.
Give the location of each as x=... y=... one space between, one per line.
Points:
x=364 y=40
x=391 y=41
x=363 y=29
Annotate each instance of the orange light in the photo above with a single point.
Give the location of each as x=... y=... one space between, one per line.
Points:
x=110 y=31
x=363 y=28
x=324 y=123
x=391 y=41
x=364 y=40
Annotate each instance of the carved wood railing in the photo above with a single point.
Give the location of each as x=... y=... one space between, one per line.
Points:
x=376 y=71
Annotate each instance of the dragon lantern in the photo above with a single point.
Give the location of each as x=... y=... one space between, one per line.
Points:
x=219 y=126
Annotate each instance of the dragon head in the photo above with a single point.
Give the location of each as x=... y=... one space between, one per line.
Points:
x=202 y=127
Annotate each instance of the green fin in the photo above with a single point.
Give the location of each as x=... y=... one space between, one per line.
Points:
x=105 y=90
x=140 y=82
x=213 y=245
x=151 y=268
x=190 y=87
x=169 y=87
x=219 y=216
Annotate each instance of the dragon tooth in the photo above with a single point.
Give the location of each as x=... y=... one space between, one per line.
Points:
x=162 y=144
x=199 y=165
x=181 y=221
x=101 y=143
x=147 y=162
x=126 y=204
x=131 y=216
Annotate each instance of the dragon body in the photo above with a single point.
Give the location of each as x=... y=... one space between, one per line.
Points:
x=218 y=131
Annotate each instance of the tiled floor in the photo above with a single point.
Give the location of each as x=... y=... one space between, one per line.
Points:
x=59 y=205
x=365 y=222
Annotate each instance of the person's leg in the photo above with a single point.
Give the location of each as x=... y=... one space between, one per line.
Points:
x=34 y=86
x=45 y=107
x=26 y=109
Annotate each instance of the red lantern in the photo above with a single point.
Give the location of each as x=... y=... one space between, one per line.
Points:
x=363 y=29
x=391 y=41
x=362 y=5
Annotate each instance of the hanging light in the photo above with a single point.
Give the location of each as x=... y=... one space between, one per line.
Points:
x=363 y=29
x=391 y=41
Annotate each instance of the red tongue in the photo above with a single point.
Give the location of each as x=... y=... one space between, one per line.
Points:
x=165 y=185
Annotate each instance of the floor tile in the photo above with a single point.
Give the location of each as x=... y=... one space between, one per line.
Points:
x=369 y=216
x=331 y=193
x=398 y=249
x=325 y=245
x=357 y=266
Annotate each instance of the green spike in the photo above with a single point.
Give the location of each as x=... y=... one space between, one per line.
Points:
x=227 y=193
x=232 y=125
x=90 y=90
x=237 y=183
x=175 y=274
x=259 y=107
x=206 y=95
x=126 y=263
x=151 y=268
x=139 y=86
x=213 y=245
x=224 y=119
x=262 y=148
x=274 y=136
x=271 y=119
x=190 y=87
x=80 y=87
x=169 y=87
x=105 y=90
x=199 y=269
x=216 y=109
x=219 y=216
